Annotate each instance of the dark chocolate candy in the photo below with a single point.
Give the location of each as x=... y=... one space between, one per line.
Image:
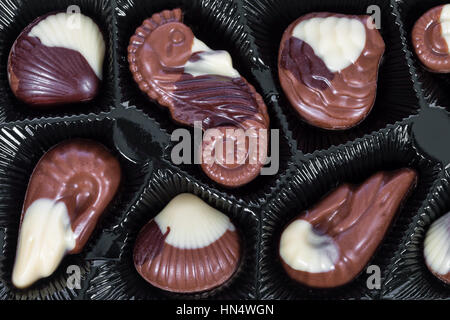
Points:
x=429 y=37
x=198 y=84
x=328 y=68
x=329 y=244
x=188 y=247
x=57 y=59
x=68 y=191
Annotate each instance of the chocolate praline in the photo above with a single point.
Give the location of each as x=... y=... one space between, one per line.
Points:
x=69 y=189
x=188 y=247
x=328 y=245
x=56 y=60
x=200 y=85
x=328 y=68
x=430 y=38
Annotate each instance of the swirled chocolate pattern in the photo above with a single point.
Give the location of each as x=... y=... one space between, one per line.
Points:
x=431 y=37
x=57 y=59
x=328 y=68
x=68 y=191
x=197 y=84
x=188 y=247
x=329 y=244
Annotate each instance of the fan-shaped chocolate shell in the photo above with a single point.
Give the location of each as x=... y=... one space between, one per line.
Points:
x=197 y=84
x=329 y=245
x=57 y=59
x=437 y=248
x=328 y=68
x=431 y=39
x=69 y=189
x=188 y=247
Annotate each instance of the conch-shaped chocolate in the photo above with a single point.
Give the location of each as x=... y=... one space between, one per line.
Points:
x=328 y=68
x=437 y=248
x=329 y=245
x=68 y=191
x=57 y=59
x=431 y=39
x=188 y=247
x=198 y=84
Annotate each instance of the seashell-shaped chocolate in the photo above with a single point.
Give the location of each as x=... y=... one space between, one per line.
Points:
x=431 y=39
x=198 y=84
x=328 y=68
x=188 y=247
x=57 y=59
x=68 y=191
x=437 y=248
x=329 y=244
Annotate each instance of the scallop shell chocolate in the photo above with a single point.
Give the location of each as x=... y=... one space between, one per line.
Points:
x=431 y=39
x=328 y=245
x=68 y=192
x=328 y=68
x=437 y=248
x=57 y=59
x=188 y=247
x=200 y=85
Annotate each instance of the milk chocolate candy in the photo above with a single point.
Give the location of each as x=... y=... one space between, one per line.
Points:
x=200 y=85
x=329 y=244
x=57 y=59
x=188 y=247
x=431 y=39
x=328 y=68
x=68 y=191
x=437 y=248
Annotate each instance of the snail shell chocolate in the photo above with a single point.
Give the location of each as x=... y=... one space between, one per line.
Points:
x=68 y=191
x=198 y=84
x=57 y=59
x=329 y=245
x=437 y=248
x=431 y=38
x=328 y=68
x=188 y=247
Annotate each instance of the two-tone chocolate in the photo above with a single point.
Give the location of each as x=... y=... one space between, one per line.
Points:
x=437 y=248
x=57 y=59
x=69 y=189
x=328 y=68
x=431 y=39
x=200 y=85
x=329 y=244
x=188 y=247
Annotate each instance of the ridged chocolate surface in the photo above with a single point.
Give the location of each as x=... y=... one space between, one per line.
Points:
x=356 y=218
x=43 y=76
x=326 y=99
x=81 y=173
x=157 y=54
x=185 y=270
x=428 y=42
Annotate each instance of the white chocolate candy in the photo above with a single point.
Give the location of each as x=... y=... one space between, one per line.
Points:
x=305 y=250
x=337 y=41
x=44 y=238
x=437 y=246
x=211 y=62
x=76 y=32
x=445 y=24
x=193 y=223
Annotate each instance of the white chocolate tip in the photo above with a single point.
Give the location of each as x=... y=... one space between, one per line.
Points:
x=337 y=41
x=445 y=24
x=193 y=223
x=303 y=249
x=44 y=238
x=437 y=245
x=211 y=63
x=73 y=31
